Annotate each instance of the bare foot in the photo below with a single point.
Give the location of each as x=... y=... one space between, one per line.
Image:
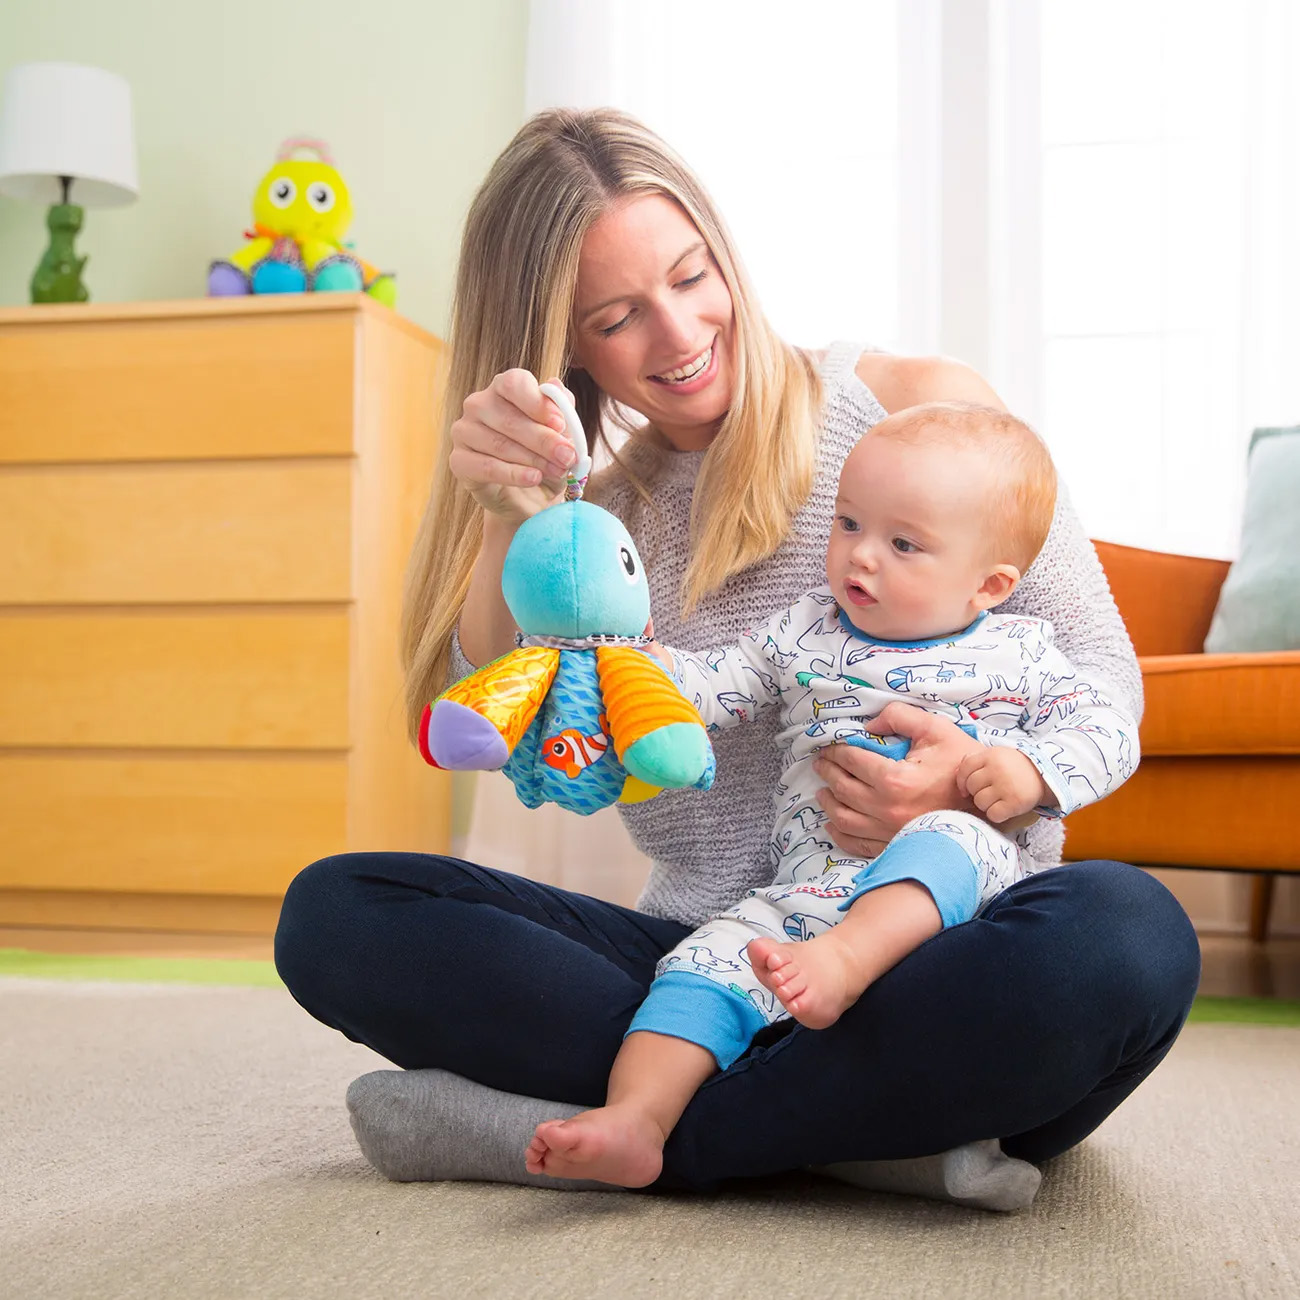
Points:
x=817 y=980
x=613 y=1144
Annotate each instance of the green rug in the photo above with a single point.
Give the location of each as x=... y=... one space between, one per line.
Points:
x=1246 y=1011
x=261 y=974
x=137 y=970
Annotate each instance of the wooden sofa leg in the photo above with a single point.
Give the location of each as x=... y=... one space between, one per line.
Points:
x=1261 y=904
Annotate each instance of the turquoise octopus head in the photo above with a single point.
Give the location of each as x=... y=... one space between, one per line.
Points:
x=573 y=571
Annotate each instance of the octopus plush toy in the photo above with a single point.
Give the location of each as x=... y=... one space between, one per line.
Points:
x=579 y=714
x=301 y=211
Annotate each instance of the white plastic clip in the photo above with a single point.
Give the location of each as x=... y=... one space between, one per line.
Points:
x=577 y=435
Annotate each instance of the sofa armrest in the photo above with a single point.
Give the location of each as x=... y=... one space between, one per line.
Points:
x=1165 y=600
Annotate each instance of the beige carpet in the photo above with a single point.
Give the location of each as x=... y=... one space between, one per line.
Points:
x=175 y=1142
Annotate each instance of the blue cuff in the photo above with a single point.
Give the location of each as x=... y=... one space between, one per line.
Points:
x=720 y=1018
x=1055 y=780
x=898 y=746
x=932 y=859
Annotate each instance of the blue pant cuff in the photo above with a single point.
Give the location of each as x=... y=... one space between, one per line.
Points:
x=931 y=859
x=719 y=1017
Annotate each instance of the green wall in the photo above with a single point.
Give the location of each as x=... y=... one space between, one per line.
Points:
x=415 y=97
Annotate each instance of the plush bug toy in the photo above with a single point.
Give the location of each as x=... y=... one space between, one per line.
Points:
x=579 y=714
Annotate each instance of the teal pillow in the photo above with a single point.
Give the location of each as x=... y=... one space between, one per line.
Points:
x=1259 y=606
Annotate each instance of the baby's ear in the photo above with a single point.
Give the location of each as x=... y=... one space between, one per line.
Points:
x=997 y=586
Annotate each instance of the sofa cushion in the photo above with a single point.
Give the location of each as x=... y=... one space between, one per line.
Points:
x=1195 y=812
x=1221 y=704
x=1259 y=606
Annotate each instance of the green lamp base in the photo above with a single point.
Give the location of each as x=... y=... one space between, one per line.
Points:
x=58 y=277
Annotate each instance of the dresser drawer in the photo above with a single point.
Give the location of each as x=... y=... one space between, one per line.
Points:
x=219 y=678
x=206 y=386
x=179 y=824
x=164 y=533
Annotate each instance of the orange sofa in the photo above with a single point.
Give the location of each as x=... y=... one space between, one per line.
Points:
x=1219 y=780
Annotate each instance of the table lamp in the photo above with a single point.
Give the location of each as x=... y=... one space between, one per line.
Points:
x=66 y=140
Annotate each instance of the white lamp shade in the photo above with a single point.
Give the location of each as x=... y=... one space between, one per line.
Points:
x=62 y=119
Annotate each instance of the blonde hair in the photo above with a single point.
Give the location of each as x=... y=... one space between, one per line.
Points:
x=512 y=307
x=1023 y=498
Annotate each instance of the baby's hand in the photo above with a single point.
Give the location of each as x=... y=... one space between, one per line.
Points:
x=658 y=651
x=1002 y=782
x=662 y=655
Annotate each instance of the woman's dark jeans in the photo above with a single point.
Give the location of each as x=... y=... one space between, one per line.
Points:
x=1030 y=1023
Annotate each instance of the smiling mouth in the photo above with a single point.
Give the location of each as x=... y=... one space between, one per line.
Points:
x=684 y=374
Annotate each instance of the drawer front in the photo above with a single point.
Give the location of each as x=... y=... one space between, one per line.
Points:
x=127 y=534
x=187 y=387
x=245 y=824
x=221 y=678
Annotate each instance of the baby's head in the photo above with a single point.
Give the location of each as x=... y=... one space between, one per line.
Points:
x=941 y=509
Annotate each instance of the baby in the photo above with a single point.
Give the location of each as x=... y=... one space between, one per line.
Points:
x=940 y=510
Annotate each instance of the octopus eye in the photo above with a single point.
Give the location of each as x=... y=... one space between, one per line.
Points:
x=283 y=192
x=320 y=196
x=628 y=559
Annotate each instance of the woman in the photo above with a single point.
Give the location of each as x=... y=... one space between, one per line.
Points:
x=593 y=254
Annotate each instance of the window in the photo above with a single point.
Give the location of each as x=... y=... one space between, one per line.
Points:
x=1159 y=180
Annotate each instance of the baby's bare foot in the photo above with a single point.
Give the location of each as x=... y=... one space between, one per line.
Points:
x=817 y=980
x=611 y=1145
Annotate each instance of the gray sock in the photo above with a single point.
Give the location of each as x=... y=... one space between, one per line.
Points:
x=978 y=1174
x=421 y=1126
x=433 y=1126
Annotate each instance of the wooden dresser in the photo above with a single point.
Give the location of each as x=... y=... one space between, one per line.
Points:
x=205 y=513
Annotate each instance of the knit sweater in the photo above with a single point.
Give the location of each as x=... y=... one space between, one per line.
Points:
x=709 y=847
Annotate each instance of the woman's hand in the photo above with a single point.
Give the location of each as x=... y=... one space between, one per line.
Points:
x=509 y=449
x=868 y=798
